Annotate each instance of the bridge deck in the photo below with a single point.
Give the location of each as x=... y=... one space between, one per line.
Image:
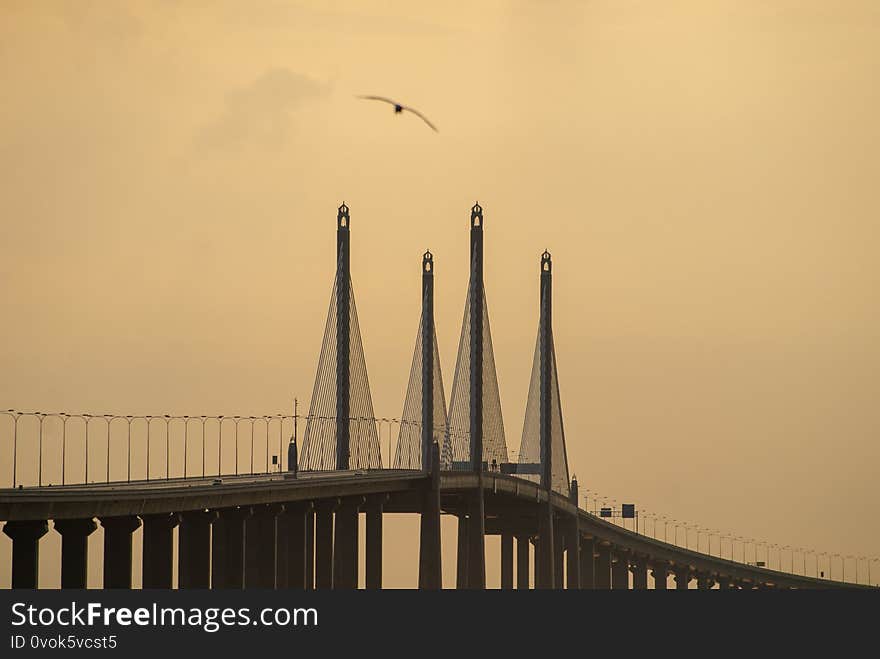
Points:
x=179 y=495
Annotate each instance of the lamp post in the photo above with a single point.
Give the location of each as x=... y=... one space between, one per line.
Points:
x=86 y=419
x=204 y=430
x=168 y=421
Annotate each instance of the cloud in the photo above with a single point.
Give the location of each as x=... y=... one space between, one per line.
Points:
x=261 y=112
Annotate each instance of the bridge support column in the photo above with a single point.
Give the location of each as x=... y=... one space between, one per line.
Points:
x=558 y=554
x=545 y=550
x=373 y=561
x=588 y=563
x=476 y=539
x=157 y=564
x=639 y=567
x=117 y=550
x=461 y=578
x=573 y=556
x=345 y=545
x=620 y=571
x=726 y=583
x=228 y=548
x=573 y=541
x=430 y=572
x=26 y=551
x=260 y=538
x=536 y=561
x=522 y=562
x=282 y=547
x=660 y=572
x=682 y=577
x=74 y=550
x=324 y=545
x=294 y=556
x=507 y=561
x=310 y=547
x=194 y=549
x=603 y=567
x=705 y=582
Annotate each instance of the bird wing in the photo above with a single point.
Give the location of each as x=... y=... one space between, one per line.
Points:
x=379 y=98
x=422 y=117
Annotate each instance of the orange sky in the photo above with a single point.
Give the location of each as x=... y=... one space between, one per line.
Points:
x=704 y=174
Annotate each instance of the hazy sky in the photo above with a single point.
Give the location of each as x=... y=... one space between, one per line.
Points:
x=704 y=174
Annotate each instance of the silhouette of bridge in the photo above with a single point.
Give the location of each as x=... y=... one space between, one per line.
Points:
x=256 y=509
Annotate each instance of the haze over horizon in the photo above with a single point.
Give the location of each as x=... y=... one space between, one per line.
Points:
x=704 y=175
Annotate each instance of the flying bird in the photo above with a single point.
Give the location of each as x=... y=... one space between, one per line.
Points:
x=398 y=108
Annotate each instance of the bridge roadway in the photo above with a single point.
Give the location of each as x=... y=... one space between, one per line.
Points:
x=510 y=508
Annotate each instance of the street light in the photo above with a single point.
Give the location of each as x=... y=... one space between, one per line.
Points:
x=665 y=522
x=842 y=567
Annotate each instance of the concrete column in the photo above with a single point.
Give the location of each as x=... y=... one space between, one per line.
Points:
x=228 y=547
x=603 y=567
x=705 y=582
x=588 y=563
x=573 y=555
x=324 y=545
x=546 y=552
x=660 y=572
x=373 y=561
x=310 y=548
x=639 y=567
x=430 y=559
x=282 y=548
x=573 y=541
x=620 y=571
x=345 y=545
x=522 y=562
x=194 y=549
x=296 y=515
x=726 y=583
x=157 y=566
x=558 y=554
x=536 y=562
x=682 y=576
x=26 y=550
x=117 y=550
x=74 y=550
x=461 y=580
x=476 y=538
x=260 y=547
x=506 y=561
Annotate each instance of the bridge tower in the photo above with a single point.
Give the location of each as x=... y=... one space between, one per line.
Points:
x=343 y=329
x=421 y=430
x=424 y=410
x=542 y=456
x=475 y=433
x=341 y=430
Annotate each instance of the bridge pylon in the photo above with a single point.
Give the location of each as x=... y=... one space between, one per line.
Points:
x=542 y=454
x=424 y=410
x=475 y=435
x=341 y=429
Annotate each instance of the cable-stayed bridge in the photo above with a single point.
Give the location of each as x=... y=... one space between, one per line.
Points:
x=275 y=501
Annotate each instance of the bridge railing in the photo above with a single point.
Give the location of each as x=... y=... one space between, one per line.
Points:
x=42 y=449
x=800 y=561
x=59 y=448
